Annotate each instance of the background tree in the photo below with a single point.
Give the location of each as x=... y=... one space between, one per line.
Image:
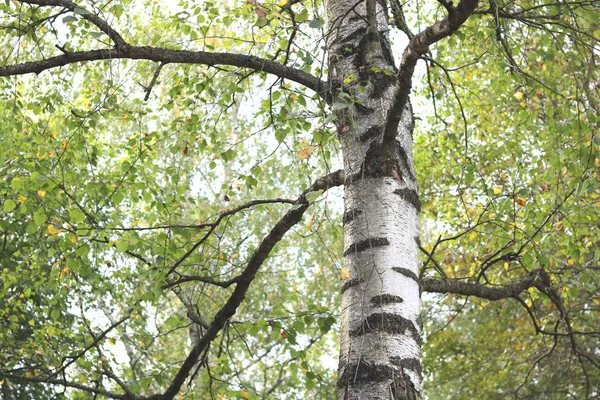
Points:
x=158 y=166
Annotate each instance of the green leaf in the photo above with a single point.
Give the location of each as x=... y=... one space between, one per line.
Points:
x=55 y=314
x=317 y=23
x=280 y=135
x=40 y=217
x=81 y=11
x=76 y=215
x=312 y=196
x=122 y=246
x=9 y=205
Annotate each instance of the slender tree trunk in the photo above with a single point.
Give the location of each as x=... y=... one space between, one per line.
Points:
x=381 y=329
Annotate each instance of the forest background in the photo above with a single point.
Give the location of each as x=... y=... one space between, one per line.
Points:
x=142 y=189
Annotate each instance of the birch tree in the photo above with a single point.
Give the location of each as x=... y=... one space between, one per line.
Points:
x=115 y=111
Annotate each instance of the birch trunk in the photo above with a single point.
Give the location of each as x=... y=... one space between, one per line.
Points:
x=381 y=329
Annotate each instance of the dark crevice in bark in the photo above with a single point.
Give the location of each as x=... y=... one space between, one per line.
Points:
x=413 y=364
x=350 y=215
x=373 y=132
x=405 y=162
x=410 y=196
x=351 y=283
x=361 y=108
x=389 y=323
x=376 y=165
x=381 y=81
x=406 y=272
x=352 y=37
x=402 y=388
x=386 y=299
x=388 y=54
x=366 y=245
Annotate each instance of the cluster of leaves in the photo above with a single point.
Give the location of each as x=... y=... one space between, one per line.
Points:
x=508 y=163
x=104 y=194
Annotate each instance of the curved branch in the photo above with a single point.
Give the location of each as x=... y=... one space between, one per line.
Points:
x=478 y=290
x=291 y=218
x=93 y=18
x=203 y=279
x=417 y=47
x=65 y=383
x=169 y=56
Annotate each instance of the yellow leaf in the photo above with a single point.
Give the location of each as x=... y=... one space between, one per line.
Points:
x=22 y=199
x=245 y=394
x=73 y=238
x=519 y=95
x=344 y=274
x=305 y=152
x=41 y=193
x=570 y=262
x=521 y=201
x=52 y=230
x=497 y=190
x=492 y=216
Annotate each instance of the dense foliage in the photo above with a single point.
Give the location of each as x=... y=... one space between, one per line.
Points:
x=135 y=193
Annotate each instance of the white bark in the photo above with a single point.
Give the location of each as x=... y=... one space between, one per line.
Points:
x=381 y=332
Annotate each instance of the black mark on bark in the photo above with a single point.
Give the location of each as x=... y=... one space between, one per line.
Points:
x=406 y=272
x=388 y=323
x=364 y=372
x=413 y=364
x=350 y=283
x=350 y=215
x=410 y=196
x=386 y=299
x=366 y=245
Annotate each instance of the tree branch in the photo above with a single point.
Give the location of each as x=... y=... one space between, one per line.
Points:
x=418 y=46
x=478 y=290
x=63 y=382
x=165 y=56
x=85 y=14
x=291 y=218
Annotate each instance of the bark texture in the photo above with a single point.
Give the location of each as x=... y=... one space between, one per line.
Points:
x=381 y=330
